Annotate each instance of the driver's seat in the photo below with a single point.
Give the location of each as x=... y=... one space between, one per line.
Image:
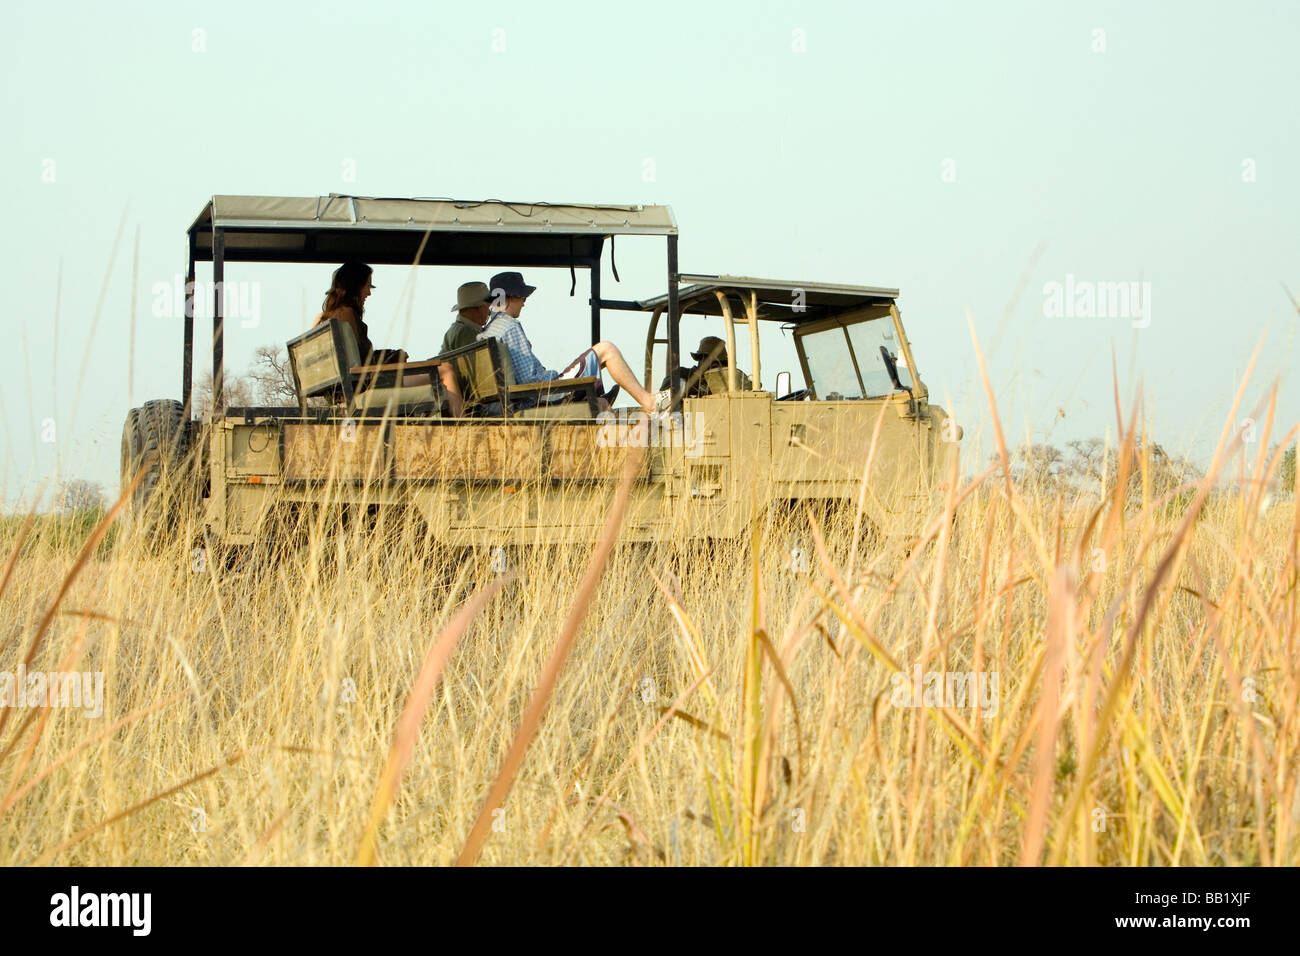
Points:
x=716 y=380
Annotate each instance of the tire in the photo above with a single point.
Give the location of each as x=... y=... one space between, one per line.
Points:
x=131 y=447
x=154 y=437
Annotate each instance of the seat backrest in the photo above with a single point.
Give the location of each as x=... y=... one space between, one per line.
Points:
x=500 y=358
x=320 y=359
x=482 y=369
x=716 y=379
x=350 y=350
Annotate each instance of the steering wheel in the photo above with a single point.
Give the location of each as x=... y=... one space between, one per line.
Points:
x=797 y=396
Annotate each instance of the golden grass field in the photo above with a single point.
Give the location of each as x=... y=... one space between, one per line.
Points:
x=358 y=697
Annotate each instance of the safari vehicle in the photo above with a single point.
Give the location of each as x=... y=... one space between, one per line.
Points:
x=537 y=463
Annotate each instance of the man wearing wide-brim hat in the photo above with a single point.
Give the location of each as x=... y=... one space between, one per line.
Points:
x=711 y=354
x=471 y=310
x=509 y=294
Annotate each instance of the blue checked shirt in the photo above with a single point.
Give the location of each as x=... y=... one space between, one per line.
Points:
x=503 y=326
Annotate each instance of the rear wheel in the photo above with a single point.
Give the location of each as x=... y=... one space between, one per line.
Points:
x=155 y=439
x=131 y=446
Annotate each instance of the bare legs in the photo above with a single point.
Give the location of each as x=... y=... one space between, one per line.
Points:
x=612 y=359
x=447 y=375
x=455 y=404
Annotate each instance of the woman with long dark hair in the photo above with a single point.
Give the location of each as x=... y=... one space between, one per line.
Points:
x=346 y=301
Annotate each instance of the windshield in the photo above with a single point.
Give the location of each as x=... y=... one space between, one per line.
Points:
x=831 y=355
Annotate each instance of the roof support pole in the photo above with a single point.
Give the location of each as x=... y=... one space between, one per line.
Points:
x=650 y=343
x=918 y=389
x=729 y=324
x=594 y=272
x=187 y=356
x=857 y=369
x=674 y=316
x=751 y=312
x=218 y=321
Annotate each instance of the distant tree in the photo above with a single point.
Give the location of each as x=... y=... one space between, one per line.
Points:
x=268 y=381
x=235 y=390
x=78 y=495
x=1169 y=471
x=1093 y=464
x=1090 y=466
x=272 y=376
x=1038 y=467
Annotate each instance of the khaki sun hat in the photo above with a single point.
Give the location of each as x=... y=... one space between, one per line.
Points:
x=471 y=294
x=710 y=345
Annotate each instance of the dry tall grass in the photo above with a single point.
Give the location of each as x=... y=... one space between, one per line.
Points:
x=718 y=705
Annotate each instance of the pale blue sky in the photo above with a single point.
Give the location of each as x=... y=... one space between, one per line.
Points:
x=826 y=164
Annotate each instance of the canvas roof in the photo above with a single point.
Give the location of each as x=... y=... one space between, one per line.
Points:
x=439 y=231
x=776 y=297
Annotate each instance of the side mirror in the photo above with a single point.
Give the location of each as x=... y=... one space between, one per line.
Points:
x=782 y=384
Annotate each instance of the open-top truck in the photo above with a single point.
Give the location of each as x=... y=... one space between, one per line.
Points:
x=536 y=464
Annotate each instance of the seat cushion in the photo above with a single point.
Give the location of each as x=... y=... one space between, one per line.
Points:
x=559 y=412
x=377 y=399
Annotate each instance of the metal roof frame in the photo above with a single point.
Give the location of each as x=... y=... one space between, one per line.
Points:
x=698 y=295
x=394 y=231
